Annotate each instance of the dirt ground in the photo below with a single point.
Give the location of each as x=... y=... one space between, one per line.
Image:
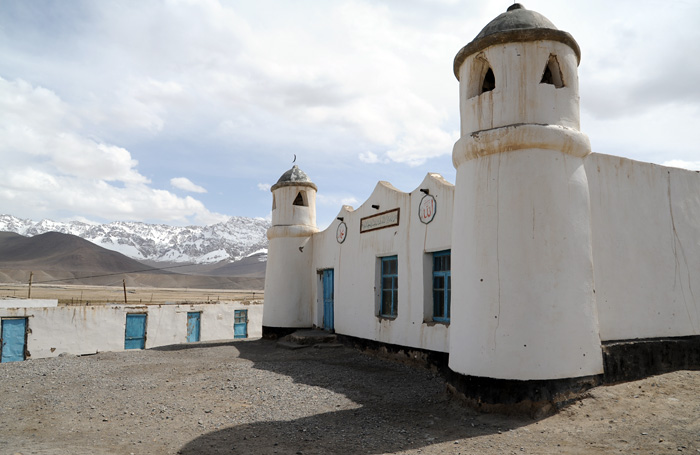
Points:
x=93 y=295
x=249 y=397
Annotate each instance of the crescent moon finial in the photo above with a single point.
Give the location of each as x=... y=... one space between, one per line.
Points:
x=295 y=158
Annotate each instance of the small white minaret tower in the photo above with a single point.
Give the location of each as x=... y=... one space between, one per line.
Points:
x=288 y=283
x=523 y=293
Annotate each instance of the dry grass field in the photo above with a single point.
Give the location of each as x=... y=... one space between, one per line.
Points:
x=95 y=295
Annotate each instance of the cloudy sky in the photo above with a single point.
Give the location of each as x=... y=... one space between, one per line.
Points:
x=185 y=112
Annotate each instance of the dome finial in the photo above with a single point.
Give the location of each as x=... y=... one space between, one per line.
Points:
x=515 y=6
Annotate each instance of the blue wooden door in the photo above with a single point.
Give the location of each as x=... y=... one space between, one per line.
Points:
x=328 y=317
x=13 y=339
x=240 y=324
x=193 y=327
x=135 y=337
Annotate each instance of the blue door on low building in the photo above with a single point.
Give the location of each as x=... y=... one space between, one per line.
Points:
x=135 y=337
x=240 y=324
x=193 y=323
x=14 y=338
x=328 y=317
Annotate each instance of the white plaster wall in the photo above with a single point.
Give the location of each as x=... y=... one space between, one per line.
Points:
x=288 y=282
x=646 y=248
x=355 y=264
x=356 y=298
x=425 y=239
x=522 y=279
x=519 y=97
x=88 y=329
x=286 y=213
x=328 y=254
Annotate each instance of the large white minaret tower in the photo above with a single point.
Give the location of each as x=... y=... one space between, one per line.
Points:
x=288 y=284
x=523 y=293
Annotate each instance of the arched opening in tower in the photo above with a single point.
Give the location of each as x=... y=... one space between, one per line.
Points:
x=552 y=73
x=489 y=82
x=301 y=199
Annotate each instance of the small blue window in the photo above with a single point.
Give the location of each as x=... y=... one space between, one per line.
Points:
x=390 y=287
x=442 y=286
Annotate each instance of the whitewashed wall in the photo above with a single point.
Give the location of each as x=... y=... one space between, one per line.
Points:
x=356 y=267
x=288 y=284
x=646 y=248
x=88 y=329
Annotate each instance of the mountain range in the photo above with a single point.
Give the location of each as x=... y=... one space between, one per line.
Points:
x=59 y=258
x=221 y=243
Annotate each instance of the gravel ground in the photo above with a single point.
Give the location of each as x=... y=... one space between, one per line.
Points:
x=248 y=397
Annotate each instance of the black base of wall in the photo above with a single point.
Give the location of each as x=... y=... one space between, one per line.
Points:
x=629 y=360
x=274 y=333
x=504 y=396
x=622 y=360
x=414 y=356
x=536 y=398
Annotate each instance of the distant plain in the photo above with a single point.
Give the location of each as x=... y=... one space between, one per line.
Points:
x=96 y=295
x=72 y=270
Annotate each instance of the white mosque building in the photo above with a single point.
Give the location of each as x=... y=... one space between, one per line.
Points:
x=544 y=264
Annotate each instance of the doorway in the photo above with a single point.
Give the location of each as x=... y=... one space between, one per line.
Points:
x=14 y=339
x=328 y=310
x=240 y=324
x=135 y=333
x=193 y=326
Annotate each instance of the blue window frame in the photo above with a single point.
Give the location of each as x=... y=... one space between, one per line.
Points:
x=442 y=285
x=390 y=287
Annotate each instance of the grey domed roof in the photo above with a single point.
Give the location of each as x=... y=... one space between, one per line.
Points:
x=517 y=24
x=516 y=17
x=294 y=177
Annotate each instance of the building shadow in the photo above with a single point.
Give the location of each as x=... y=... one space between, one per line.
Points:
x=193 y=345
x=398 y=408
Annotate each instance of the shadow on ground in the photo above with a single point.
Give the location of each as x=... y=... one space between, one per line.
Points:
x=196 y=345
x=399 y=408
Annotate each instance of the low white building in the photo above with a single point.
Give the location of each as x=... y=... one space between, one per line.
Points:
x=533 y=267
x=41 y=328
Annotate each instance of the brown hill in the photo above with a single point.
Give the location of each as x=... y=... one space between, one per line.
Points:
x=57 y=257
x=251 y=267
x=65 y=252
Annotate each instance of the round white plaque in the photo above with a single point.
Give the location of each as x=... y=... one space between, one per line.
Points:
x=341 y=232
x=427 y=208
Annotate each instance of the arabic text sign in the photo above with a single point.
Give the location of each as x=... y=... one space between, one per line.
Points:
x=380 y=221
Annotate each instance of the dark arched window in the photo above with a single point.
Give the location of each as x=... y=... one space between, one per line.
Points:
x=489 y=82
x=301 y=199
x=481 y=77
x=552 y=73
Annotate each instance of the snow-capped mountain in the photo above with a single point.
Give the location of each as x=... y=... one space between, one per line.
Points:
x=232 y=240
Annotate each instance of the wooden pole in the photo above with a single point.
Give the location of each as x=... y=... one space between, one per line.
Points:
x=124 y=283
x=29 y=294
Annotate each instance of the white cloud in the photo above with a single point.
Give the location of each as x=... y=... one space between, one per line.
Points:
x=370 y=158
x=336 y=200
x=691 y=165
x=153 y=81
x=49 y=168
x=186 y=184
x=422 y=143
x=264 y=186
x=257 y=78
